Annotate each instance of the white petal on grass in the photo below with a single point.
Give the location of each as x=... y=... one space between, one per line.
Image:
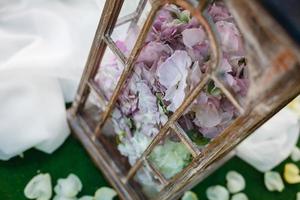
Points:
x=105 y=193
x=295 y=155
x=239 y=196
x=39 y=187
x=298 y=196
x=58 y=197
x=273 y=181
x=68 y=187
x=86 y=198
x=291 y=173
x=217 y=192
x=235 y=182
x=189 y=195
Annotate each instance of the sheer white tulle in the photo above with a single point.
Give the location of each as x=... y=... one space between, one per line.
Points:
x=43 y=48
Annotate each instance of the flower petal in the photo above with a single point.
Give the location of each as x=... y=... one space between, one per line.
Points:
x=207 y=115
x=298 y=196
x=39 y=187
x=273 y=181
x=174 y=69
x=189 y=195
x=291 y=173
x=230 y=36
x=239 y=196
x=193 y=36
x=235 y=182
x=86 y=198
x=68 y=187
x=295 y=155
x=152 y=52
x=217 y=192
x=105 y=193
x=58 y=197
x=173 y=75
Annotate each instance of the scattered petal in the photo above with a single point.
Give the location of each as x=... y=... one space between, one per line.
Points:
x=58 y=197
x=217 y=192
x=239 y=196
x=298 y=196
x=68 y=187
x=273 y=181
x=291 y=173
x=235 y=182
x=86 y=198
x=189 y=195
x=295 y=155
x=105 y=193
x=39 y=187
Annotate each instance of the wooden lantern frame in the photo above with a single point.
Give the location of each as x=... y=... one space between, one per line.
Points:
x=274 y=67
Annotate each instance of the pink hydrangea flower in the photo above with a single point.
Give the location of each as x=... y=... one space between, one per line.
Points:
x=173 y=75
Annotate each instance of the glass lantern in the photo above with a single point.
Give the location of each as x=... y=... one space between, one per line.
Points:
x=172 y=86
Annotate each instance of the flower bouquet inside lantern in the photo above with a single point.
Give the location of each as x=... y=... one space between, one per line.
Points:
x=173 y=60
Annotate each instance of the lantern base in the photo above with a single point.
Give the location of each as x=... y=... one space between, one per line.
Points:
x=104 y=162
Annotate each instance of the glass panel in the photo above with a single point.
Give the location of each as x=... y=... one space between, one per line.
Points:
x=233 y=70
x=92 y=110
x=129 y=24
x=173 y=60
x=170 y=156
x=108 y=74
x=129 y=7
x=150 y=184
x=208 y=115
x=112 y=133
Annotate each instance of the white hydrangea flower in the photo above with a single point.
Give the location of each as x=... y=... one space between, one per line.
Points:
x=68 y=187
x=134 y=147
x=235 y=182
x=217 y=192
x=86 y=198
x=39 y=187
x=239 y=196
x=189 y=195
x=273 y=181
x=105 y=193
x=170 y=158
x=295 y=155
x=58 y=197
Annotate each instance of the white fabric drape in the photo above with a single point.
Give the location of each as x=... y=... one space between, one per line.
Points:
x=43 y=48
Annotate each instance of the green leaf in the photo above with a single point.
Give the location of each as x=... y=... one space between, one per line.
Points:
x=120 y=137
x=212 y=89
x=160 y=101
x=197 y=137
x=184 y=16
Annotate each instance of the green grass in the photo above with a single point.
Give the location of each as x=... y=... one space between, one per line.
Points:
x=72 y=158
